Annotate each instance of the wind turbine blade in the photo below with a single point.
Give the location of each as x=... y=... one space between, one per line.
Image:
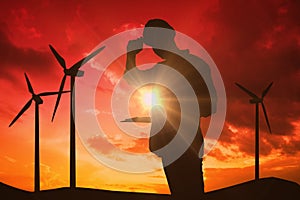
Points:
x=29 y=84
x=51 y=93
x=58 y=96
x=86 y=59
x=27 y=105
x=266 y=116
x=58 y=57
x=266 y=90
x=247 y=91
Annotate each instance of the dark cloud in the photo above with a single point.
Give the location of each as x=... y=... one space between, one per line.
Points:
x=238 y=46
x=15 y=59
x=241 y=142
x=256 y=43
x=286 y=145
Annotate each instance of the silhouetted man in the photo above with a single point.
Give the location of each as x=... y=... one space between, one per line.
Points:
x=184 y=174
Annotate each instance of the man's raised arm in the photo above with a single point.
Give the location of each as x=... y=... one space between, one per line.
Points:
x=133 y=48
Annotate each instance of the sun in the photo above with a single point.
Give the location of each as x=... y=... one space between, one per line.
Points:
x=149 y=97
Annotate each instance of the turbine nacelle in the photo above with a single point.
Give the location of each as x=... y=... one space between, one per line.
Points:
x=74 y=72
x=256 y=100
x=37 y=99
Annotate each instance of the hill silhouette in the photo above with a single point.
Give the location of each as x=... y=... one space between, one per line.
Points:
x=265 y=188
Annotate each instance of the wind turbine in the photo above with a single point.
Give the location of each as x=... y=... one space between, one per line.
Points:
x=256 y=100
x=38 y=100
x=73 y=72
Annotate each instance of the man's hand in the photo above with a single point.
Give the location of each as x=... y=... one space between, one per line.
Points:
x=135 y=46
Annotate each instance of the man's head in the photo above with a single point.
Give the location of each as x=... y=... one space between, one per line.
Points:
x=159 y=34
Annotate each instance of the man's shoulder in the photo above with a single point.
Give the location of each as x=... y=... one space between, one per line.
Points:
x=183 y=59
x=196 y=62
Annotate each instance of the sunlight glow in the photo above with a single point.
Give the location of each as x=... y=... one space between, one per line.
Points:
x=149 y=97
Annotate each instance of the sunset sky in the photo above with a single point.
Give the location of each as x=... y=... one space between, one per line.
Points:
x=253 y=43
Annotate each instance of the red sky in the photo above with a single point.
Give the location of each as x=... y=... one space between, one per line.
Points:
x=253 y=43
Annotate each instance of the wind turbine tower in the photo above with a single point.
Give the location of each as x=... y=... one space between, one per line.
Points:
x=257 y=100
